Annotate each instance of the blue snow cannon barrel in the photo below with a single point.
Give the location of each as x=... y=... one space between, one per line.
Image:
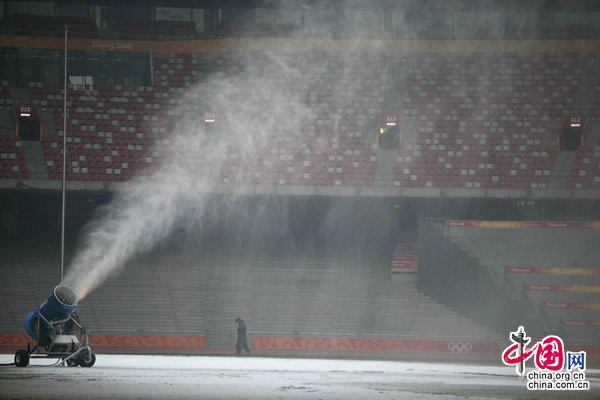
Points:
x=61 y=302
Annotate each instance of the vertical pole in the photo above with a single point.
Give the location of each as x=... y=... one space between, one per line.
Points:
x=151 y=67
x=64 y=166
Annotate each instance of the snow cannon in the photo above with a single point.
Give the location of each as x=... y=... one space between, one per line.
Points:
x=60 y=304
x=56 y=332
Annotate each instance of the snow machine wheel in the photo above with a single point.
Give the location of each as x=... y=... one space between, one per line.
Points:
x=21 y=358
x=87 y=359
x=72 y=362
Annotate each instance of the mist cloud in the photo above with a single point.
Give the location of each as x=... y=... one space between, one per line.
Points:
x=274 y=109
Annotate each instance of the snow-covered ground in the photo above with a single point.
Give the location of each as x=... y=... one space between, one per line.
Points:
x=196 y=377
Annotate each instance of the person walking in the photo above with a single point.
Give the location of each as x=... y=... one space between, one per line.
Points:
x=242 y=339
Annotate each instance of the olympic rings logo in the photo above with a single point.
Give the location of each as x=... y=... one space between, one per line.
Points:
x=460 y=347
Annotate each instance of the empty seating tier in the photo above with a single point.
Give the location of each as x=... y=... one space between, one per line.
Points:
x=181 y=292
x=467 y=121
x=550 y=269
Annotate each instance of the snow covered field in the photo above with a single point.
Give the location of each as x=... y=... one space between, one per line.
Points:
x=250 y=378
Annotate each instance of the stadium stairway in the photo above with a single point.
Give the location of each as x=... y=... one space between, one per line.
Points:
x=35 y=159
x=561 y=170
x=47 y=119
x=386 y=163
x=588 y=87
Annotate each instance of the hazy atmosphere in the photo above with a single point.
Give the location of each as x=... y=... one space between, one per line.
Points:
x=252 y=186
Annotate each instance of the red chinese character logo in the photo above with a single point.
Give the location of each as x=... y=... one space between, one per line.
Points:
x=549 y=353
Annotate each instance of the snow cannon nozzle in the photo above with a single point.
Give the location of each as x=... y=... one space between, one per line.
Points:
x=61 y=303
x=66 y=296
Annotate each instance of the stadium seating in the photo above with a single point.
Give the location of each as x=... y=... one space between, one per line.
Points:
x=553 y=269
x=12 y=159
x=572 y=319
x=120 y=139
x=470 y=129
x=483 y=130
x=106 y=136
x=586 y=171
x=205 y=293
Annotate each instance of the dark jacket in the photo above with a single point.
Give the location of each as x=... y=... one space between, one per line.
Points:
x=241 y=330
